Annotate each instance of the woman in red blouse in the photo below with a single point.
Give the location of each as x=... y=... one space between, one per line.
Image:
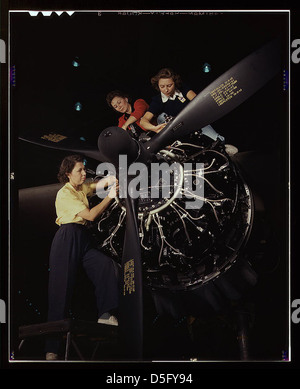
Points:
x=131 y=112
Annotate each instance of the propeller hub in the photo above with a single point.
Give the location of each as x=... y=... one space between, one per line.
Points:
x=107 y=133
x=113 y=142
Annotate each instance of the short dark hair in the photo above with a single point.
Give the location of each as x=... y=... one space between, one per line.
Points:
x=115 y=93
x=67 y=165
x=166 y=73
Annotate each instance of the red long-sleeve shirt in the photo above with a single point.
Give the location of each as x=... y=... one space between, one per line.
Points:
x=139 y=108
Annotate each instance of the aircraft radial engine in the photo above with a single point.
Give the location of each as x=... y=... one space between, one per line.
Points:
x=195 y=215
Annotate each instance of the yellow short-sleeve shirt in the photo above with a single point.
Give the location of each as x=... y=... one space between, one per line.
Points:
x=69 y=202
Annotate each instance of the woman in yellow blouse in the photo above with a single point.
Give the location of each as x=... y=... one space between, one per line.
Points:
x=72 y=246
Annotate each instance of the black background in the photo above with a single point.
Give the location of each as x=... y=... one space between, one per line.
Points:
x=123 y=52
x=124 y=55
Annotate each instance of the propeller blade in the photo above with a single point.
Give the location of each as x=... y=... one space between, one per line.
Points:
x=74 y=145
x=222 y=96
x=131 y=302
x=113 y=142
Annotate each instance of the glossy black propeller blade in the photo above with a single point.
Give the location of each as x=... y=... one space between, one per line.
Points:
x=222 y=96
x=74 y=145
x=131 y=302
x=113 y=142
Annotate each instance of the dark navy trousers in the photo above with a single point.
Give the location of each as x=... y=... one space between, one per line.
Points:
x=72 y=247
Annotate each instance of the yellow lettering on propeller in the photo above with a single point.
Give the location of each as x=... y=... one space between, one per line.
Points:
x=129 y=285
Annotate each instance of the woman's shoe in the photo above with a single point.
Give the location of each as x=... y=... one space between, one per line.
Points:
x=112 y=321
x=51 y=357
x=231 y=150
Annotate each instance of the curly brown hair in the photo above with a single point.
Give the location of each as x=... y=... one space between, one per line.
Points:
x=66 y=167
x=166 y=73
x=115 y=93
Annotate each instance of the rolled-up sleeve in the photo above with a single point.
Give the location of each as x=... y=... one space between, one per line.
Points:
x=68 y=204
x=139 y=108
